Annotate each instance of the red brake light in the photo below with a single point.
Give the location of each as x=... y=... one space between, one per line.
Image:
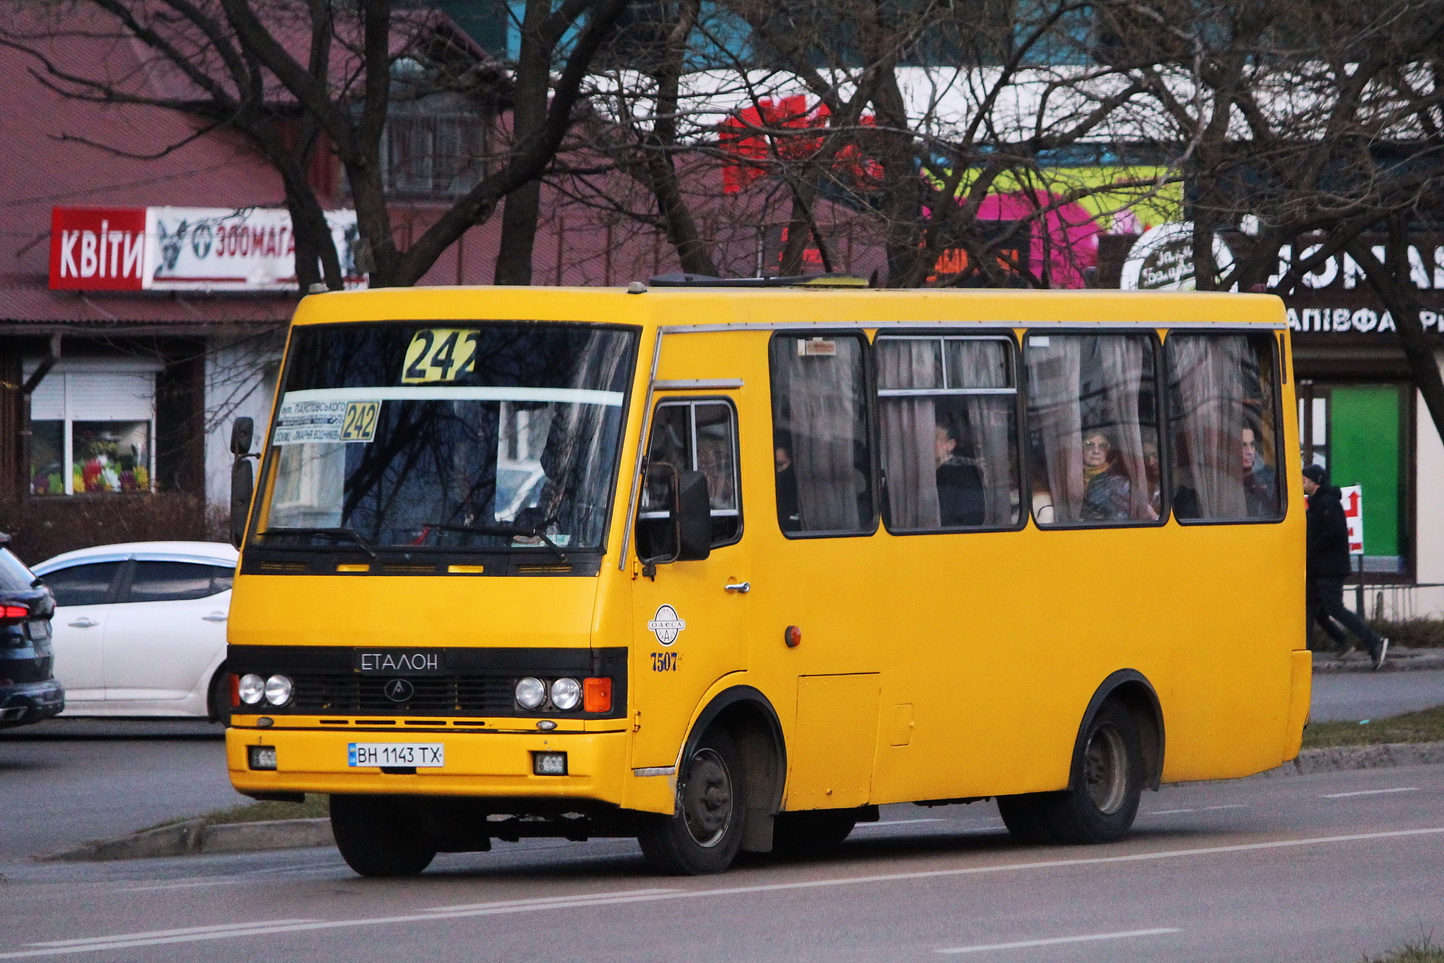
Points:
x=14 y=613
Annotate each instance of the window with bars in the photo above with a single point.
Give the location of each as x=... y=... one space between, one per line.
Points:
x=434 y=154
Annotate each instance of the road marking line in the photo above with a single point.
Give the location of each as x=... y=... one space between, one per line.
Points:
x=1057 y=940
x=557 y=901
x=1370 y=792
x=1196 y=809
x=130 y=941
x=223 y=929
x=903 y=822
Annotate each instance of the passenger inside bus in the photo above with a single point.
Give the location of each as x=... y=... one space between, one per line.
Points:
x=1106 y=489
x=787 y=516
x=960 y=484
x=1260 y=481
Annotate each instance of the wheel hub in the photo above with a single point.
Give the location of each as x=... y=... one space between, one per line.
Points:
x=1105 y=769
x=707 y=798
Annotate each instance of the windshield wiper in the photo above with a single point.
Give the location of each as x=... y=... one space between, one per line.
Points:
x=345 y=534
x=501 y=531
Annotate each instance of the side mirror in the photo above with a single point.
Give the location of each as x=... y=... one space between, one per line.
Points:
x=694 y=517
x=243 y=477
x=243 y=432
x=675 y=522
x=243 y=486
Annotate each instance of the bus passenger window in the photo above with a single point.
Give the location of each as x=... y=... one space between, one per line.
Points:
x=820 y=442
x=1224 y=424
x=947 y=424
x=701 y=436
x=1092 y=424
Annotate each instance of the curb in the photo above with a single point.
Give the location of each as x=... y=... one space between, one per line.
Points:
x=1400 y=659
x=194 y=836
x=1339 y=758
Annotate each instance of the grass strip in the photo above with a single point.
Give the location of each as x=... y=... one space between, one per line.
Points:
x=1422 y=952
x=1427 y=725
x=315 y=806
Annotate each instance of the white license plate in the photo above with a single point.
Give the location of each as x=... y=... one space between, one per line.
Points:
x=419 y=754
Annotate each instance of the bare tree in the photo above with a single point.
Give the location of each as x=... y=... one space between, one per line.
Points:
x=300 y=76
x=1318 y=120
x=914 y=116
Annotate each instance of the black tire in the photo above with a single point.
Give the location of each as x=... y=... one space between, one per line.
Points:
x=705 y=832
x=377 y=836
x=814 y=833
x=1102 y=799
x=1025 y=816
x=218 y=697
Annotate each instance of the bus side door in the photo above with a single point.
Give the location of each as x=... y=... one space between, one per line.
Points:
x=689 y=618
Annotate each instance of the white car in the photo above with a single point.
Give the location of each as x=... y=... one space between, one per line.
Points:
x=140 y=628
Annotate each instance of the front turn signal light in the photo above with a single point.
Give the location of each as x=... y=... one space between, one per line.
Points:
x=596 y=695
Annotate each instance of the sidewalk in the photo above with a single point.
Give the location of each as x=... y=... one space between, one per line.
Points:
x=1401 y=658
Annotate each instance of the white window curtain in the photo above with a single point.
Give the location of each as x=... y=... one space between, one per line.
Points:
x=909 y=426
x=1054 y=364
x=819 y=385
x=1208 y=424
x=984 y=364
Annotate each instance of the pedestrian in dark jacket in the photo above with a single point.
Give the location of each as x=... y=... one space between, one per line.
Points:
x=1328 y=566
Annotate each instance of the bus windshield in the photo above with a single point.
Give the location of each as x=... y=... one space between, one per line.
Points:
x=446 y=435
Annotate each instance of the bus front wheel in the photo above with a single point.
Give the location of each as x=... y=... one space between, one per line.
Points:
x=378 y=836
x=703 y=834
x=1102 y=798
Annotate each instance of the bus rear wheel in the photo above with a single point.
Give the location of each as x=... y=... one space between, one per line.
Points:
x=704 y=833
x=1102 y=798
x=378 y=836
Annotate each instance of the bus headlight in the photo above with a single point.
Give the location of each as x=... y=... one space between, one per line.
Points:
x=251 y=688
x=531 y=693
x=566 y=694
x=279 y=689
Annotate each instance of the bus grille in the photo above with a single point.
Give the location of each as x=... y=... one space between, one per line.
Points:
x=439 y=695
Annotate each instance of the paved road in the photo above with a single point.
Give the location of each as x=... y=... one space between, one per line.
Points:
x=68 y=780
x=52 y=774
x=1367 y=695
x=1323 y=868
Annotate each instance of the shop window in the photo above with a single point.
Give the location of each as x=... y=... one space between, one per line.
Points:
x=93 y=429
x=1093 y=429
x=947 y=428
x=1359 y=432
x=820 y=435
x=1224 y=425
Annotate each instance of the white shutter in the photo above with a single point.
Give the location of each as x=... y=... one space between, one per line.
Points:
x=110 y=396
x=95 y=389
x=47 y=402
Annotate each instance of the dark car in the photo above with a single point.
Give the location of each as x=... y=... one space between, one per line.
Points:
x=28 y=690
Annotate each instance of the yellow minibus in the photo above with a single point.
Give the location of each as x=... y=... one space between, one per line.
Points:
x=726 y=566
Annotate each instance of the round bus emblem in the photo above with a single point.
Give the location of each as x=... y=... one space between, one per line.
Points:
x=666 y=625
x=399 y=690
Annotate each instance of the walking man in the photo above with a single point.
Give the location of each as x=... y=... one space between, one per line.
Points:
x=1328 y=565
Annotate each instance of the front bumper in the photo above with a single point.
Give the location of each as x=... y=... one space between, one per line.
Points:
x=478 y=764
x=29 y=702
